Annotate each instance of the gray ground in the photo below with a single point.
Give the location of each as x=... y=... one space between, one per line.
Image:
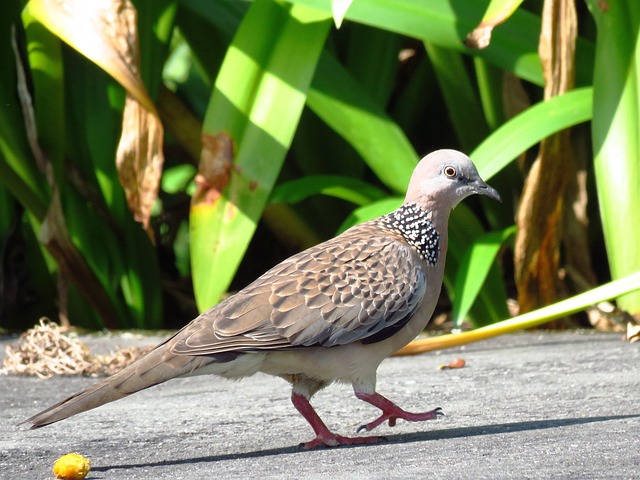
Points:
x=533 y=405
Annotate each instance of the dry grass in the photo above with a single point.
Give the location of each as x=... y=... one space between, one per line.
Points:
x=46 y=350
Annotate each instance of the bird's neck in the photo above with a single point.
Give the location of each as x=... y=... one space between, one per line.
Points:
x=424 y=230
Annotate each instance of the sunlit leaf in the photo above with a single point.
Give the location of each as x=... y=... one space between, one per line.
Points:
x=525 y=130
x=337 y=99
x=615 y=127
x=339 y=10
x=473 y=270
x=371 y=211
x=177 y=178
x=257 y=102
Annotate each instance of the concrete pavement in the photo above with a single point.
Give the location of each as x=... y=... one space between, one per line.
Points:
x=530 y=405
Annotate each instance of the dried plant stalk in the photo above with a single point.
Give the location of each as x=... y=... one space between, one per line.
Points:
x=45 y=350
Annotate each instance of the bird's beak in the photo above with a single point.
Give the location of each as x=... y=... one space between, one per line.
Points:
x=482 y=188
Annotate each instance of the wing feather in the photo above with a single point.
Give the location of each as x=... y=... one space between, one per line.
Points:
x=360 y=286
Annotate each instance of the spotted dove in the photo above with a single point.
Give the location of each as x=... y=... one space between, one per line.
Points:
x=330 y=313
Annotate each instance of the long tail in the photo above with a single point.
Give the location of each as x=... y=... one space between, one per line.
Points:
x=156 y=367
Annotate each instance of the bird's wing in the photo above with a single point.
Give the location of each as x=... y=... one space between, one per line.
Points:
x=353 y=288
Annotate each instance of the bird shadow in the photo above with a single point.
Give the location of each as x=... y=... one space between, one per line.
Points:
x=425 y=436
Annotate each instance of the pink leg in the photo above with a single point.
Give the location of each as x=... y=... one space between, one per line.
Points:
x=324 y=437
x=391 y=412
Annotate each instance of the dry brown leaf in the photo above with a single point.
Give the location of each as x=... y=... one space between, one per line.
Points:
x=540 y=213
x=139 y=158
x=105 y=32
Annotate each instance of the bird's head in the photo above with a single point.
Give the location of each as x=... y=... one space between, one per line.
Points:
x=444 y=178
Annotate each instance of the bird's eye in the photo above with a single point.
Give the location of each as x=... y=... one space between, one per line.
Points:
x=450 y=171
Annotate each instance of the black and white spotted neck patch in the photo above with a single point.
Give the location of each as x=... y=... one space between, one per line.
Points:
x=412 y=223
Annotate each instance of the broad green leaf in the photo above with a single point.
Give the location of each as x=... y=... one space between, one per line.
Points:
x=514 y=46
x=373 y=60
x=339 y=10
x=371 y=211
x=343 y=105
x=257 y=101
x=176 y=179
x=209 y=27
x=459 y=95
x=473 y=270
x=114 y=245
x=490 y=87
x=349 y=189
x=18 y=171
x=615 y=128
x=530 y=127
x=156 y=19
x=45 y=64
x=499 y=10
x=446 y=22
x=490 y=301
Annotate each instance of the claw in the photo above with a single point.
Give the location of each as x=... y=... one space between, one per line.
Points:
x=391 y=412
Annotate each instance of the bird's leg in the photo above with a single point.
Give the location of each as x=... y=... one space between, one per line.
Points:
x=392 y=412
x=324 y=437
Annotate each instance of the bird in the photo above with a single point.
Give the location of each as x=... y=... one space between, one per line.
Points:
x=331 y=313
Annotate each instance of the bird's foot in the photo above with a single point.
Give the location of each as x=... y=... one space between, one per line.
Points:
x=391 y=412
x=332 y=440
x=324 y=436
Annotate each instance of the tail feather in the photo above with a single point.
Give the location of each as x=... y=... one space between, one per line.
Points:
x=157 y=366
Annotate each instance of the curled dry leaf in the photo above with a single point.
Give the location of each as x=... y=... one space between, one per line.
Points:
x=105 y=32
x=140 y=159
x=457 y=363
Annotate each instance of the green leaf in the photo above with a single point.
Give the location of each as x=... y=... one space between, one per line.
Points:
x=459 y=94
x=530 y=127
x=615 y=128
x=343 y=105
x=500 y=10
x=447 y=22
x=349 y=189
x=339 y=10
x=372 y=60
x=18 y=171
x=473 y=270
x=371 y=211
x=490 y=303
x=176 y=179
x=258 y=99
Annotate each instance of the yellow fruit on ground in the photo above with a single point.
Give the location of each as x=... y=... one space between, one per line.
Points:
x=71 y=466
